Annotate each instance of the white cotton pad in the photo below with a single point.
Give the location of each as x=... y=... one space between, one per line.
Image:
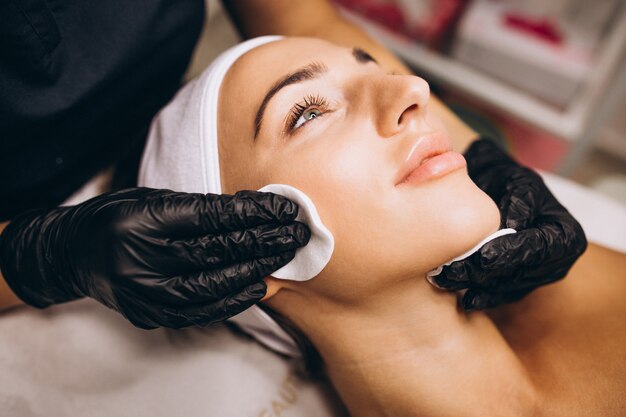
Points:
x=437 y=271
x=312 y=258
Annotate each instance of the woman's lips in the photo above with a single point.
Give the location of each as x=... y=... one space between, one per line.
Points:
x=435 y=167
x=430 y=157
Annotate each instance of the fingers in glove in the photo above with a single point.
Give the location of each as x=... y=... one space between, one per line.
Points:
x=519 y=203
x=223 y=309
x=510 y=262
x=456 y=276
x=525 y=249
x=203 y=287
x=235 y=247
x=502 y=257
x=183 y=214
x=478 y=299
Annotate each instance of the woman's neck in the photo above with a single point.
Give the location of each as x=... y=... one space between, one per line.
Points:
x=411 y=314
x=409 y=351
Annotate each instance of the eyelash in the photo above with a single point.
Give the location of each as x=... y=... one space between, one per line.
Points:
x=310 y=102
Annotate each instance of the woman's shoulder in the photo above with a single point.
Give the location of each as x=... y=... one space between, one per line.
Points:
x=570 y=335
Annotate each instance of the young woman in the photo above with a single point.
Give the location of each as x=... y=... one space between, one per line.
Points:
x=376 y=160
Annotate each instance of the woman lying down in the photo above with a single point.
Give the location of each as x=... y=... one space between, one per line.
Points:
x=341 y=129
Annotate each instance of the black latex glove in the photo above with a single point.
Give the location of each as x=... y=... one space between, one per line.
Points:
x=161 y=258
x=547 y=243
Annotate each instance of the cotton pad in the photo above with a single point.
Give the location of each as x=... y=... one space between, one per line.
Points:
x=437 y=271
x=314 y=256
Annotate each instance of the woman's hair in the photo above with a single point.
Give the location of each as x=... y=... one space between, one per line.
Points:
x=311 y=364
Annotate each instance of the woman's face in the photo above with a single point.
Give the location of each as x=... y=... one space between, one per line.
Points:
x=329 y=121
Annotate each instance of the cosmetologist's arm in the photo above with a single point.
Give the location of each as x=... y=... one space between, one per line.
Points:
x=7 y=297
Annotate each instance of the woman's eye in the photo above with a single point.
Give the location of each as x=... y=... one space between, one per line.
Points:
x=306 y=116
x=310 y=108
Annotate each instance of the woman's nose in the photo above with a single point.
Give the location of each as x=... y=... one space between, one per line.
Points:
x=400 y=103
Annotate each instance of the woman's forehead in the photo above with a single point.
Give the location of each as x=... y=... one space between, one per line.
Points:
x=267 y=63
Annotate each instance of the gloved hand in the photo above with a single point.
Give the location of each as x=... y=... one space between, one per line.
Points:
x=161 y=258
x=547 y=243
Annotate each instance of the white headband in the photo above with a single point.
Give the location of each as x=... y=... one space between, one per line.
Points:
x=181 y=152
x=182 y=155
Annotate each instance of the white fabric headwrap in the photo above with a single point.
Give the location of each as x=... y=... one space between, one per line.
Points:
x=182 y=155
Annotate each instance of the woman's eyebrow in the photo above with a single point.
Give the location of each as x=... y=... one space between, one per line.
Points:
x=308 y=72
x=362 y=57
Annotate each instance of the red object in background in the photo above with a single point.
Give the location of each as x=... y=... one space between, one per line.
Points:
x=383 y=12
x=532 y=147
x=428 y=28
x=542 y=29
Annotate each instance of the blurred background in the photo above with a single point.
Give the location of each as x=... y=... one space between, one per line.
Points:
x=547 y=79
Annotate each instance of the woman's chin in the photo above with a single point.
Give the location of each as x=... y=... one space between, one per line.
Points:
x=472 y=215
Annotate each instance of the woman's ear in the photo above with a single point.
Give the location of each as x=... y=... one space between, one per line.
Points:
x=273 y=286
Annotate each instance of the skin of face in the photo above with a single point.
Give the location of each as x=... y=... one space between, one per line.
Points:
x=346 y=159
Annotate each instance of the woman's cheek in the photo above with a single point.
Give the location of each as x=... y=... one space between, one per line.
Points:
x=334 y=181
